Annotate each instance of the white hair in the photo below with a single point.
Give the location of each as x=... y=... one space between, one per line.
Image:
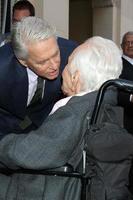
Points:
x=28 y=30
x=98 y=60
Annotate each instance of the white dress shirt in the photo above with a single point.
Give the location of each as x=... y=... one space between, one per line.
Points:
x=63 y=102
x=130 y=60
x=32 y=84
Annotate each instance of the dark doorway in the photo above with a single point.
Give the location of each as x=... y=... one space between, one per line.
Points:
x=80 y=20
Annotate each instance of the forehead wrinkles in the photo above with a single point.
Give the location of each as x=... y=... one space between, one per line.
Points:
x=129 y=37
x=43 y=49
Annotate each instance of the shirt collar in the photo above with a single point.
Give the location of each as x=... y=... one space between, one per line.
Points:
x=31 y=75
x=130 y=60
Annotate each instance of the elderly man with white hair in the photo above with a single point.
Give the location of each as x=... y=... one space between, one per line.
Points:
x=91 y=64
x=61 y=137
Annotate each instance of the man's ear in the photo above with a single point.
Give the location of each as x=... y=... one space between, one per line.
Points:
x=23 y=62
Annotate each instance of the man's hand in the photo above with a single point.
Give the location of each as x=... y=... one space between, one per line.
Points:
x=71 y=84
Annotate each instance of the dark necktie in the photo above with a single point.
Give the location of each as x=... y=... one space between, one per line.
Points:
x=39 y=91
x=37 y=98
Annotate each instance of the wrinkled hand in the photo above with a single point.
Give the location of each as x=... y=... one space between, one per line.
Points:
x=71 y=84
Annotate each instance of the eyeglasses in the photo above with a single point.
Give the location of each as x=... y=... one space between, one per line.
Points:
x=128 y=43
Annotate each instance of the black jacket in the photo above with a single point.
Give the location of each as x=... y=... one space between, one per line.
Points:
x=124 y=98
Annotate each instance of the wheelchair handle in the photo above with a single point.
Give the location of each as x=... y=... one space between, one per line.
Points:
x=122 y=84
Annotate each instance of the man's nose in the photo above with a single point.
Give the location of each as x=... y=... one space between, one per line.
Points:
x=130 y=43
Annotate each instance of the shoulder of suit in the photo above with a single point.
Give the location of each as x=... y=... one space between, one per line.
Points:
x=6 y=50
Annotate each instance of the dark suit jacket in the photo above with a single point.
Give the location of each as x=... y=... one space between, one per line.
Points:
x=124 y=98
x=66 y=47
x=14 y=91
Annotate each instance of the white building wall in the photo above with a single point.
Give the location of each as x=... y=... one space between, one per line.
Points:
x=111 y=18
x=116 y=21
x=102 y=21
x=56 y=12
x=126 y=16
x=38 y=4
x=107 y=19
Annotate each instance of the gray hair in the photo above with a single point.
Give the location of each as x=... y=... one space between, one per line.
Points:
x=29 y=30
x=97 y=60
x=124 y=37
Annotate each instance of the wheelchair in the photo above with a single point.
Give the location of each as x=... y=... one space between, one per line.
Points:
x=67 y=170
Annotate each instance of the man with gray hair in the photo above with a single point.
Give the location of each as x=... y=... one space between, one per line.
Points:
x=126 y=100
x=90 y=65
x=30 y=75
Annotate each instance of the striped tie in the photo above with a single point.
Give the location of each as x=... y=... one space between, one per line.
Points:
x=39 y=91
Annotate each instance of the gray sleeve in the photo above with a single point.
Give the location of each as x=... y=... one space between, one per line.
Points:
x=48 y=147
